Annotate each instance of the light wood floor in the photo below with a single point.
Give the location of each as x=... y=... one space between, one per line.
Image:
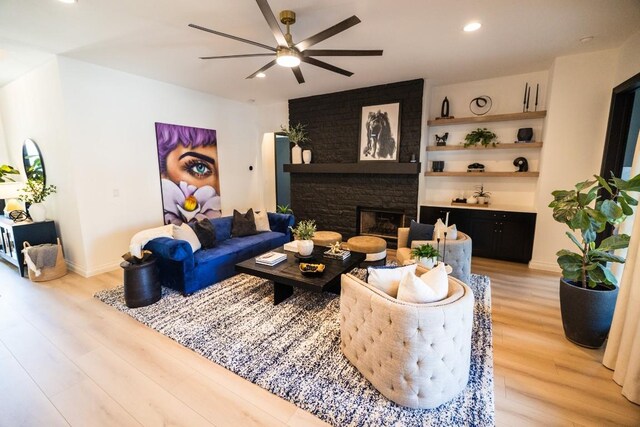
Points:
x=67 y=359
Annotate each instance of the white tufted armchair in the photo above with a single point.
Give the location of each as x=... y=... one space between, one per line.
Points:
x=416 y=355
x=458 y=254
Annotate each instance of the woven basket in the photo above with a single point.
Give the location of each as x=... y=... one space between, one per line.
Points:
x=49 y=273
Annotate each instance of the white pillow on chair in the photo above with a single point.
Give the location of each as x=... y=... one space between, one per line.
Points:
x=432 y=286
x=388 y=279
x=452 y=231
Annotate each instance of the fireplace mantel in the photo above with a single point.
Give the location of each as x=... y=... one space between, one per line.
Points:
x=380 y=168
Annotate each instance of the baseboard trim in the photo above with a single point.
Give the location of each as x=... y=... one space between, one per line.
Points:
x=105 y=268
x=545 y=266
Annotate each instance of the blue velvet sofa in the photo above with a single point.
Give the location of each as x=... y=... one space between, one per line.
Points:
x=184 y=271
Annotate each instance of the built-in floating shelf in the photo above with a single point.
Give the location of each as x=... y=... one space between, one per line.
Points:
x=486 y=174
x=380 y=168
x=509 y=146
x=484 y=119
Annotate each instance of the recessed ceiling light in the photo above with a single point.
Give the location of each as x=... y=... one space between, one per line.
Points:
x=261 y=75
x=472 y=26
x=68 y=1
x=586 y=39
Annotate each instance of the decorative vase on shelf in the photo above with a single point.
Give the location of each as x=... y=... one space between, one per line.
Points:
x=305 y=247
x=306 y=156
x=296 y=155
x=482 y=200
x=38 y=212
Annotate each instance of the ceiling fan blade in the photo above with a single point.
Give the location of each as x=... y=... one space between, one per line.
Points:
x=331 y=31
x=341 y=52
x=229 y=36
x=326 y=66
x=265 y=68
x=272 y=22
x=298 y=73
x=248 y=55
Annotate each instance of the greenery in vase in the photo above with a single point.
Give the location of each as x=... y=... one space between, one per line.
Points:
x=424 y=251
x=36 y=192
x=480 y=136
x=284 y=209
x=589 y=208
x=480 y=192
x=6 y=170
x=296 y=133
x=304 y=230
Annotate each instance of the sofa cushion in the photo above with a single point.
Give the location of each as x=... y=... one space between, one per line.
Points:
x=419 y=231
x=223 y=227
x=387 y=279
x=226 y=250
x=243 y=224
x=439 y=227
x=206 y=233
x=262 y=221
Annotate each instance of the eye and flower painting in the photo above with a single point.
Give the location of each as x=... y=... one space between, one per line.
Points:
x=189 y=173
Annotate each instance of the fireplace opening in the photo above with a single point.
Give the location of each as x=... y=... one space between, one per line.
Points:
x=380 y=222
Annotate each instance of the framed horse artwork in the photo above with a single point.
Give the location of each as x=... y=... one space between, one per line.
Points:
x=379 y=133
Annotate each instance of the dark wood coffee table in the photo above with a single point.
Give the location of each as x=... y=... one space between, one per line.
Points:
x=287 y=275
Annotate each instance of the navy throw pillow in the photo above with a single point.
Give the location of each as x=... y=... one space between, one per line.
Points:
x=243 y=225
x=419 y=231
x=206 y=233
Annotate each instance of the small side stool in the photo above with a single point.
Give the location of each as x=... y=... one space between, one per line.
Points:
x=326 y=238
x=374 y=247
x=141 y=283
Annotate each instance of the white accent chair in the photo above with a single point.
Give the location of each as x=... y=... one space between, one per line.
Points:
x=457 y=255
x=416 y=355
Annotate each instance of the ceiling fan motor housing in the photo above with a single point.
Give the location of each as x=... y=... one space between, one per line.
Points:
x=288 y=17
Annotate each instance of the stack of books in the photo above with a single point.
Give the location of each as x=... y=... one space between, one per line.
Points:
x=341 y=254
x=271 y=258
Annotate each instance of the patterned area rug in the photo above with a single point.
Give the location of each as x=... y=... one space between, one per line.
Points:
x=293 y=350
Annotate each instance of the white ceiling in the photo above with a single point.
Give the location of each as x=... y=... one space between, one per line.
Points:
x=420 y=38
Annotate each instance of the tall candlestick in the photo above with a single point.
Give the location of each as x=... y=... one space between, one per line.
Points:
x=537 y=87
x=528 y=96
x=524 y=101
x=446 y=221
x=438 y=244
x=444 y=251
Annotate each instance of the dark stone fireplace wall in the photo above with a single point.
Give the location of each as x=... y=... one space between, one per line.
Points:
x=333 y=125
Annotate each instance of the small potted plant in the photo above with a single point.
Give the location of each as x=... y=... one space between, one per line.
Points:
x=297 y=135
x=481 y=196
x=425 y=255
x=482 y=136
x=588 y=288
x=303 y=232
x=284 y=209
x=33 y=194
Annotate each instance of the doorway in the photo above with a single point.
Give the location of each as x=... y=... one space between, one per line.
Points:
x=283 y=179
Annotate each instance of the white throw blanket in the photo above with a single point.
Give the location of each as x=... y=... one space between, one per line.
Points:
x=142 y=237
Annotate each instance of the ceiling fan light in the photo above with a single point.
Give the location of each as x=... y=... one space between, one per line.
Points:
x=287 y=58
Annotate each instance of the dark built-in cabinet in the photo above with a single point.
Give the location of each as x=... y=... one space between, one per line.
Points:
x=495 y=234
x=13 y=235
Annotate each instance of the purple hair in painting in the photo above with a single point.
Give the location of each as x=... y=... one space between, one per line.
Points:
x=189 y=165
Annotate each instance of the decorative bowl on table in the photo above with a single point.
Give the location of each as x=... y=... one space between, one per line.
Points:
x=311 y=269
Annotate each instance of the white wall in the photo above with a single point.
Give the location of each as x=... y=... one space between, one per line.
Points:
x=103 y=157
x=507 y=96
x=628 y=64
x=575 y=128
x=32 y=107
x=271 y=117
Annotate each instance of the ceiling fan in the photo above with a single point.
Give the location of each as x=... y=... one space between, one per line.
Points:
x=290 y=54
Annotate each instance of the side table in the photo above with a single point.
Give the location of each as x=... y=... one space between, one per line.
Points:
x=141 y=283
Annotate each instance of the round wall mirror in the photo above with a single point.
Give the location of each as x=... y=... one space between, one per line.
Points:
x=33 y=163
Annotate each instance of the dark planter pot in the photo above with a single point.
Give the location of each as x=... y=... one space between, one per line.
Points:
x=586 y=313
x=141 y=283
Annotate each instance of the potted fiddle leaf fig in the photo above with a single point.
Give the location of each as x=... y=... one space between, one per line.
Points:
x=588 y=288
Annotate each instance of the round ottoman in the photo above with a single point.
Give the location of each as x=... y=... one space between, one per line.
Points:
x=374 y=247
x=326 y=238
